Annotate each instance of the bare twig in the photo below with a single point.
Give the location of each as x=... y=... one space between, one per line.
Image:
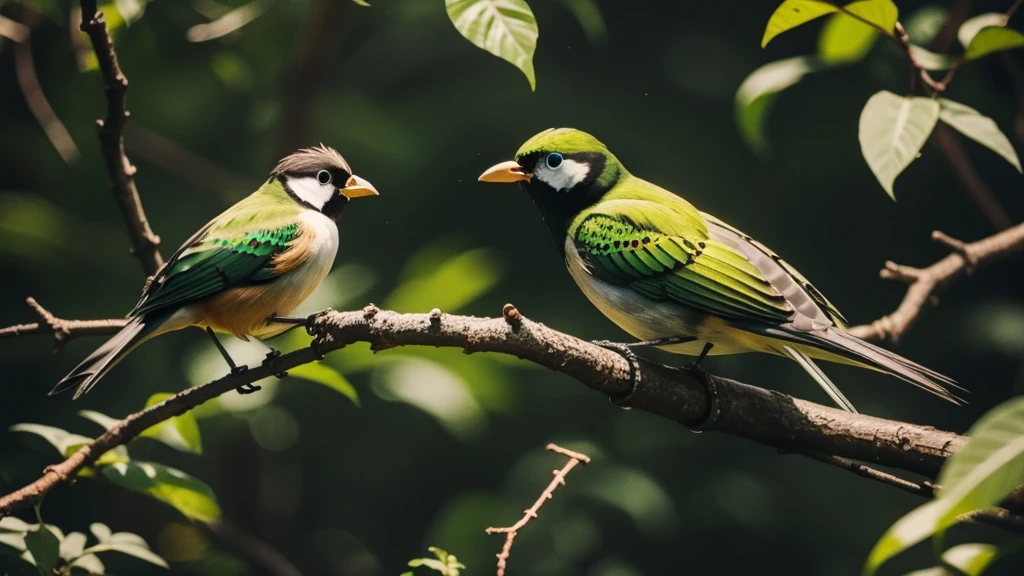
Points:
x=927 y=283
x=119 y=168
x=765 y=416
x=510 y=532
x=925 y=489
x=14 y=30
x=62 y=330
x=25 y=70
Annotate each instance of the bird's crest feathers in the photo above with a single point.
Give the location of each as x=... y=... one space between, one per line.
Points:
x=310 y=160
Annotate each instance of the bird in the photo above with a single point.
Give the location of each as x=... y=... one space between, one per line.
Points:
x=247 y=268
x=680 y=279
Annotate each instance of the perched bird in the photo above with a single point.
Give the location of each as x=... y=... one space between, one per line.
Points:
x=247 y=268
x=678 y=278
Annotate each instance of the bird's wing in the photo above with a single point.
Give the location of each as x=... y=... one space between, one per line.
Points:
x=239 y=248
x=710 y=267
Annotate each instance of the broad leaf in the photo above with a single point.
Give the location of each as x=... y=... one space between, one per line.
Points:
x=131 y=10
x=970 y=28
x=993 y=39
x=62 y=440
x=892 y=131
x=981 y=129
x=188 y=495
x=793 y=13
x=845 y=39
x=881 y=13
x=588 y=15
x=970 y=559
x=449 y=280
x=328 y=376
x=988 y=468
x=505 y=28
x=925 y=23
x=180 y=432
x=72 y=545
x=43 y=546
x=930 y=60
x=757 y=93
x=123 y=542
x=107 y=422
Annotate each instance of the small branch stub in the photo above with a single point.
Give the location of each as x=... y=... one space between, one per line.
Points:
x=510 y=532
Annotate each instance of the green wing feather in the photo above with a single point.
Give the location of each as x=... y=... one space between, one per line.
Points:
x=622 y=243
x=234 y=249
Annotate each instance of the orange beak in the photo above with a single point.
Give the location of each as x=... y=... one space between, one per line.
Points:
x=505 y=172
x=357 y=187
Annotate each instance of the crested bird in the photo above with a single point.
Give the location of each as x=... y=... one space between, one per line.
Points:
x=680 y=279
x=247 y=268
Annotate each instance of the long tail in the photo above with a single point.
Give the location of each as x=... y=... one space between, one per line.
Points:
x=90 y=370
x=841 y=346
x=821 y=378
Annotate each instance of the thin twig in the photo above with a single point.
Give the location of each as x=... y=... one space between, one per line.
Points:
x=925 y=489
x=25 y=70
x=119 y=168
x=765 y=416
x=559 y=480
x=61 y=329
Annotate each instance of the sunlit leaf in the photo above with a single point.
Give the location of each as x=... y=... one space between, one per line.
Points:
x=970 y=28
x=72 y=545
x=362 y=3
x=180 y=432
x=131 y=10
x=930 y=60
x=983 y=472
x=993 y=39
x=925 y=23
x=62 y=440
x=981 y=129
x=12 y=532
x=228 y=23
x=892 y=131
x=756 y=94
x=633 y=492
x=845 y=39
x=445 y=563
x=793 y=13
x=43 y=546
x=881 y=13
x=971 y=559
x=188 y=495
x=328 y=376
x=448 y=284
x=123 y=542
x=435 y=389
x=90 y=563
x=588 y=15
x=505 y=28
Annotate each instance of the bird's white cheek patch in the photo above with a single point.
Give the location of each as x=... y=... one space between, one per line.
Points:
x=563 y=178
x=310 y=191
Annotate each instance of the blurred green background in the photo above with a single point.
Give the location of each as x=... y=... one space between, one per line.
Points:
x=446 y=444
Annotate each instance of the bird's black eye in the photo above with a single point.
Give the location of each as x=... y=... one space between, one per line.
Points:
x=554 y=160
x=323 y=177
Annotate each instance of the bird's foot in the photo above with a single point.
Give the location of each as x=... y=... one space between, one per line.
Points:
x=634 y=371
x=248 y=388
x=269 y=360
x=671 y=340
x=698 y=370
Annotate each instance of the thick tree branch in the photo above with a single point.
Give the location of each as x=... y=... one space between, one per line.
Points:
x=765 y=416
x=119 y=168
x=927 y=283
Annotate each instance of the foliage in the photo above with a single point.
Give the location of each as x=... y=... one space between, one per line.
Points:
x=893 y=128
x=987 y=469
x=51 y=551
x=446 y=564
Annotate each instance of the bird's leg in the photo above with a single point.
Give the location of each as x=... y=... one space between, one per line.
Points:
x=235 y=369
x=272 y=356
x=697 y=369
x=296 y=320
x=625 y=349
x=648 y=343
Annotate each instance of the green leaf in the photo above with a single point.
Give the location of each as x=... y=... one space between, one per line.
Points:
x=793 y=13
x=979 y=128
x=44 y=546
x=758 y=91
x=328 y=376
x=362 y=3
x=970 y=559
x=970 y=28
x=131 y=10
x=924 y=24
x=12 y=532
x=188 y=495
x=983 y=472
x=930 y=60
x=447 y=564
x=102 y=419
x=180 y=432
x=588 y=15
x=881 y=13
x=72 y=545
x=505 y=28
x=123 y=542
x=892 y=131
x=62 y=440
x=993 y=39
x=90 y=563
x=845 y=39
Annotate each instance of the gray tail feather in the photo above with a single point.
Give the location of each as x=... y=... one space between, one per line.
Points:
x=90 y=370
x=848 y=346
x=821 y=378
